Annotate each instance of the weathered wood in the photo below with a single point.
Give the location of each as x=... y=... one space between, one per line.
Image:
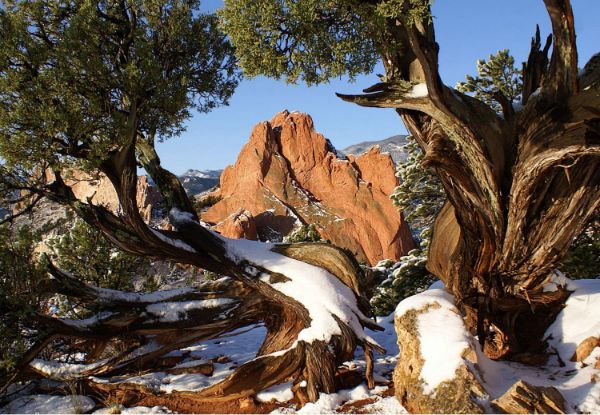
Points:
x=519 y=187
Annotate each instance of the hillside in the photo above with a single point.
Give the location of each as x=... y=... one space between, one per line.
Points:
x=392 y=145
x=198 y=181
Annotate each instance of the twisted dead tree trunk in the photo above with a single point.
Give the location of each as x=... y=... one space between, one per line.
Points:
x=520 y=185
x=308 y=336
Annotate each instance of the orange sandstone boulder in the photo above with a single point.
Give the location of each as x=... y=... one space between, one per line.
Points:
x=100 y=191
x=288 y=175
x=240 y=224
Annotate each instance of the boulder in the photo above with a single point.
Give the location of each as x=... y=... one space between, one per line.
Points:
x=435 y=369
x=288 y=175
x=524 y=398
x=241 y=224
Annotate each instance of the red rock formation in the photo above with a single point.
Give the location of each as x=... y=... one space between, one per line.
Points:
x=287 y=175
x=240 y=224
x=102 y=192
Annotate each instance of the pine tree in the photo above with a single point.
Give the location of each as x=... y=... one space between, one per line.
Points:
x=20 y=274
x=498 y=77
x=85 y=252
x=583 y=259
x=420 y=195
x=305 y=233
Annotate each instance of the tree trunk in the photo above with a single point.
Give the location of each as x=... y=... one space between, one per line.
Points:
x=521 y=185
x=308 y=336
x=221 y=306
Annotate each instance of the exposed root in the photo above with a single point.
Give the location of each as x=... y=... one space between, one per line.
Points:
x=151 y=325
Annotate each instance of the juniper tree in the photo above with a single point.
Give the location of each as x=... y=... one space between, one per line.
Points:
x=84 y=251
x=93 y=86
x=519 y=186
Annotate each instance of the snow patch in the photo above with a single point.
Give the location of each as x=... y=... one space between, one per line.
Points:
x=280 y=393
x=180 y=216
x=334 y=299
x=175 y=311
x=86 y=323
x=107 y=294
x=175 y=242
x=61 y=370
x=418 y=91
x=48 y=404
x=576 y=322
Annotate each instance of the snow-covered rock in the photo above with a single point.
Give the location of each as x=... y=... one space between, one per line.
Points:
x=436 y=352
x=435 y=344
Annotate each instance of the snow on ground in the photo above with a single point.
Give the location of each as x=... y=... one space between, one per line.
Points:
x=134 y=410
x=575 y=323
x=48 y=404
x=280 y=393
x=241 y=346
x=578 y=321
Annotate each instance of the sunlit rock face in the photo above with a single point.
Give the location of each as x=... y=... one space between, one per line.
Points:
x=288 y=175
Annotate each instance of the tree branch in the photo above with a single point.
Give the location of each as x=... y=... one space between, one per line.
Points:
x=536 y=67
x=562 y=77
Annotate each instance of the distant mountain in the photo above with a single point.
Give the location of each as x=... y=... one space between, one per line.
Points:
x=198 y=181
x=392 y=145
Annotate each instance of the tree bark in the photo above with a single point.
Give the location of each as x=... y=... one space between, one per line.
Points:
x=521 y=185
x=252 y=294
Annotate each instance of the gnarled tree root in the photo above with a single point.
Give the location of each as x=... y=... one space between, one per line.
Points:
x=157 y=323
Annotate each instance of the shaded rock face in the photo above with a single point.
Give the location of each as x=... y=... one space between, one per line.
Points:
x=457 y=395
x=288 y=175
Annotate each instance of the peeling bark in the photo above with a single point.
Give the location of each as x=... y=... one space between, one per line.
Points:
x=520 y=187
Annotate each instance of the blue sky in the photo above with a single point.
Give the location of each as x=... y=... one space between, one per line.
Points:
x=466 y=30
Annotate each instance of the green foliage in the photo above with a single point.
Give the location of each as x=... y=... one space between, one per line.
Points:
x=411 y=11
x=583 y=258
x=397 y=281
x=497 y=74
x=420 y=194
x=86 y=253
x=72 y=72
x=205 y=202
x=312 y=40
x=20 y=274
x=211 y=276
x=305 y=233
